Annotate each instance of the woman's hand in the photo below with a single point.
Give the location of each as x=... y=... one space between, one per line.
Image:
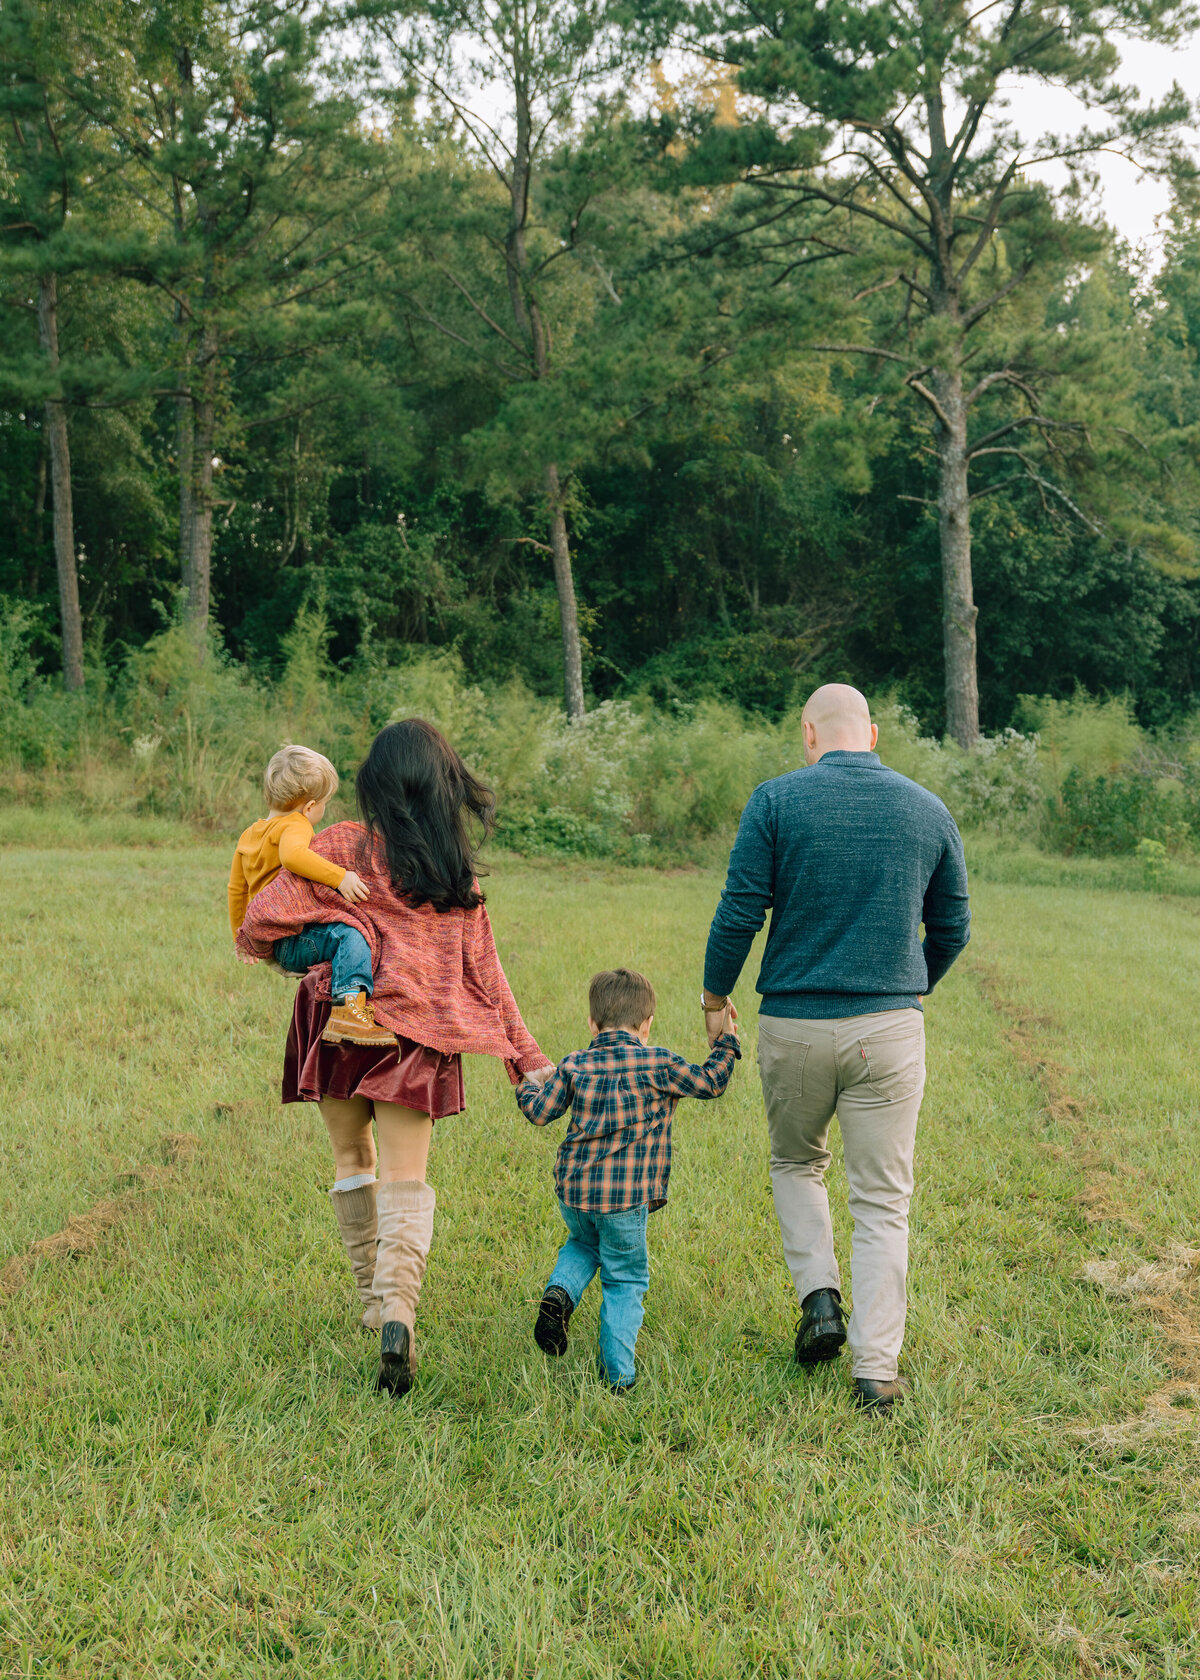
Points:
x=539 y=1076
x=353 y=888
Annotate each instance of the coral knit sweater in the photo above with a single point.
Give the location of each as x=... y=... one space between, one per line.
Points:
x=438 y=978
x=266 y=847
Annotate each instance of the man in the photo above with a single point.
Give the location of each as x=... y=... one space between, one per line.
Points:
x=850 y=858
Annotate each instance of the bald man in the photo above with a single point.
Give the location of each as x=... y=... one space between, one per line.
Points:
x=850 y=859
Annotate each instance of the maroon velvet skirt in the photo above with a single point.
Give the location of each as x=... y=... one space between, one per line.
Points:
x=410 y=1074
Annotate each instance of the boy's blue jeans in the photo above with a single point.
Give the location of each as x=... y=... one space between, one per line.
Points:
x=613 y=1244
x=332 y=942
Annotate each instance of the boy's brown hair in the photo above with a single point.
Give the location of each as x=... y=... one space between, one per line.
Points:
x=620 y=997
x=297 y=774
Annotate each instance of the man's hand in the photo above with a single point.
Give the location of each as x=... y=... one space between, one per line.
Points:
x=720 y=1015
x=353 y=888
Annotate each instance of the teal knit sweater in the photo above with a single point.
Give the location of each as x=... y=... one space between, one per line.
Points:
x=850 y=858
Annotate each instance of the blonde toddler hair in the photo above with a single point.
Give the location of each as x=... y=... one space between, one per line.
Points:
x=297 y=774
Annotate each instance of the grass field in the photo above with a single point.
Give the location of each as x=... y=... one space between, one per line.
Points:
x=196 y=1479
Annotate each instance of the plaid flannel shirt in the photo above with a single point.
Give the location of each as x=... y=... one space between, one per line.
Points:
x=622 y=1096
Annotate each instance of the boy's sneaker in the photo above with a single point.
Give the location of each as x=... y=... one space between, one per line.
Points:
x=353 y=1022
x=554 y=1314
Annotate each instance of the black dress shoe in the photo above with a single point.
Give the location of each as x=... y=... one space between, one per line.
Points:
x=822 y=1329
x=394 y=1376
x=554 y=1314
x=874 y=1395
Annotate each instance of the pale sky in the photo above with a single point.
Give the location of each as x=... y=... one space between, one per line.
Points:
x=1131 y=201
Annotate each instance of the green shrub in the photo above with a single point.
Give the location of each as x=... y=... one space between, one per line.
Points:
x=182 y=735
x=552 y=832
x=902 y=747
x=1095 y=737
x=1152 y=855
x=755 y=670
x=40 y=725
x=198 y=731
x=1109 y=816
x=998 y=786
x=697 y=766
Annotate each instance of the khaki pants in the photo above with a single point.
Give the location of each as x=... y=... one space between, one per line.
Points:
x=870 y=1069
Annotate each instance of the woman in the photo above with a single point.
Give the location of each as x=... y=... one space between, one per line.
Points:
x=439 y=987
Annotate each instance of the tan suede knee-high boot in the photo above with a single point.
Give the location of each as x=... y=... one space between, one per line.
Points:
x=405 y=1231
x=355 y=1214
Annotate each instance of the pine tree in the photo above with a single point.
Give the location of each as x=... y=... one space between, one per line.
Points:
x=258 y=181
x=49 y=152
x=543 y=62
x=919 y=186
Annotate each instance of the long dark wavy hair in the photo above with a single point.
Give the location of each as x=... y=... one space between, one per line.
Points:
x=415 y=793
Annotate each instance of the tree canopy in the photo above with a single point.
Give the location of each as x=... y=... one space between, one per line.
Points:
x=491 y=328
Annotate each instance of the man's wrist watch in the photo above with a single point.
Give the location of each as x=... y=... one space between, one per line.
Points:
x=711 y=1008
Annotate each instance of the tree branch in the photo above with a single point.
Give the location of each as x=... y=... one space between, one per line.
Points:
x=923 y=390
x=479 y=309
x=1009 y=378
x=981 y=309
x=843 y=201
x=859 y=350
x=990 y=222
x=1000 y=484
x=981 y=448
x=1032 y=473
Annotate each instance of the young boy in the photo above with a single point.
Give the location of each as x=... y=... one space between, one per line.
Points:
x=614 y=1162
x=298 y=785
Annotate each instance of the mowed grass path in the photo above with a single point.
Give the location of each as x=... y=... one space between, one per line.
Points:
x=196 y=1479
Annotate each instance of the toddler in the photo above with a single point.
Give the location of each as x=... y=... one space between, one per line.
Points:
x=613 y=1166
x=298 y=785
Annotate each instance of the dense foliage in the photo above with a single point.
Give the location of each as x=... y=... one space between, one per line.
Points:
x=320 y=336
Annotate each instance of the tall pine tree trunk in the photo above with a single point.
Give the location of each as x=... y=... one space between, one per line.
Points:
x=530 y=324
x=184 y=435
x=39 y=518
x=568 y=608
x=195 y=500
x=60 y=490
x=954 y=530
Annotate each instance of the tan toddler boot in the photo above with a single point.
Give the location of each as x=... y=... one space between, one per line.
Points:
x=355 y=1214
x=405 y=1231
x=353 y=1022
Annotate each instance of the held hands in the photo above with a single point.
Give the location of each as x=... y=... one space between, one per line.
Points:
x=539 y=1076
x=353 y=888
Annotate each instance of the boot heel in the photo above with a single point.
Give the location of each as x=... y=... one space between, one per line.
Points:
x=395 y=1373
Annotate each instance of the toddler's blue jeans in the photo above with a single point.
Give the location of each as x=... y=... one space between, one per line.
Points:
x=332 y=942
x=613 y=1244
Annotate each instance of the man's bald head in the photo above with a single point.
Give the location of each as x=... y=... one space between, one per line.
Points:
x=836 y=718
